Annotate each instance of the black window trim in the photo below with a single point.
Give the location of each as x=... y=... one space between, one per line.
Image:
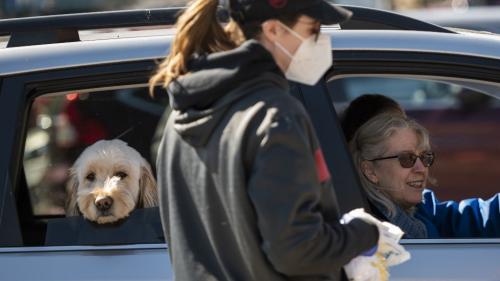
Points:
x=16 y=96
x=415 y=63
x=352 y=63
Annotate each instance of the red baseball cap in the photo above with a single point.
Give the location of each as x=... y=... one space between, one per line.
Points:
x=246 y=11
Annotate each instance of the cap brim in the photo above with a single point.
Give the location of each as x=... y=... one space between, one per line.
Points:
x=327 y=13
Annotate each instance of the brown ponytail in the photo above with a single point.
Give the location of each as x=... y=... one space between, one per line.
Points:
x=198 y=31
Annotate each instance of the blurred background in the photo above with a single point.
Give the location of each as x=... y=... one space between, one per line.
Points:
x=480 y=15
x=23 y=8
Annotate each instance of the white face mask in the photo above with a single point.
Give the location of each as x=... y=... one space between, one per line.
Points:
x=311 y=60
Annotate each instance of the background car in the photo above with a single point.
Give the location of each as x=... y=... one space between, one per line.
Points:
x=480 y=18
x=62 y=87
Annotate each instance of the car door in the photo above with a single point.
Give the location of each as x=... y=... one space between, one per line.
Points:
x=456 y=96
x=48 y=117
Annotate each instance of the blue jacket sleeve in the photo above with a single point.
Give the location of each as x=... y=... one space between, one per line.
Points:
x=468 y=218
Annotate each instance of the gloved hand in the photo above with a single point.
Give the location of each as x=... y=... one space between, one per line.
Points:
x=389 y=251
x=389 y=236
x=389 y=246
x=362 y=268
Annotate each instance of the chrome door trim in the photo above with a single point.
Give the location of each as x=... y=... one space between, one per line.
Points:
x=83 y=248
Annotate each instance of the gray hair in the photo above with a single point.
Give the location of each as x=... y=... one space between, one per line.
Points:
x=369 y=142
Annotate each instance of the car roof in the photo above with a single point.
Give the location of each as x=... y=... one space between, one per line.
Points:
x=481 y=45
x=82 y=53
x=56 y=42
x=73 y=54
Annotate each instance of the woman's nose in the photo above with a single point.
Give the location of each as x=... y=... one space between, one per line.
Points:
x=419 y=166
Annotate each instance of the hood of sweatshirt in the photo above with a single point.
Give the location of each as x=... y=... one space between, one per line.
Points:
x=201 y=98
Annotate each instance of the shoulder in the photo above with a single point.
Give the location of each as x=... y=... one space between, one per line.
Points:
x=268 y=95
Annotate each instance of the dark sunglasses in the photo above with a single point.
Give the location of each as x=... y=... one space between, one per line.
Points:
x=408 y=159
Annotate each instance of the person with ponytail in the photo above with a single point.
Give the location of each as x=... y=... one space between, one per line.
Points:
x=244 y=189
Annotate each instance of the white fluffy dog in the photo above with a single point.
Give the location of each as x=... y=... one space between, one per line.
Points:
x=109 y=180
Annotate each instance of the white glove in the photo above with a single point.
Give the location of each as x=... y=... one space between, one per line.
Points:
x=389 y=251
x=363 y=268
x=388 y=243
x=389 y=236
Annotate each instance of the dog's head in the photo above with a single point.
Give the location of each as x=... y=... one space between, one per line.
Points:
x=109 y=180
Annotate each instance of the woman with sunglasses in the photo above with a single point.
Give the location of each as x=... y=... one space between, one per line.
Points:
x=392 y=154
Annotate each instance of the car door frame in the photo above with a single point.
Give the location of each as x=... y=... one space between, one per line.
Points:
x=318 y=103
x=16 y=96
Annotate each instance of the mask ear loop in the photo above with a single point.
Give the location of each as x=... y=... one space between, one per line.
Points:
x=283 y=49
x=292 y=31
x=316 y=34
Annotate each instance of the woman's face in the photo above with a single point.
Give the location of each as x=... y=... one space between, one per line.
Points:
x=402 y=185
x=276 y=32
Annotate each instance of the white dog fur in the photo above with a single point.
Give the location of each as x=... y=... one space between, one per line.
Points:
x=109 y=180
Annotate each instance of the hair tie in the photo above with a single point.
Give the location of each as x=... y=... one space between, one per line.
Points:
x=224 y=4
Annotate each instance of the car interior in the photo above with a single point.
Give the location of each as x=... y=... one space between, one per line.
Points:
x=60 y=127
x=460 y=116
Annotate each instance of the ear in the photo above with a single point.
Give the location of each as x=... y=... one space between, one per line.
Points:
x=71 y=207
x=148 y=193
x=271 y=29
x=369 y=172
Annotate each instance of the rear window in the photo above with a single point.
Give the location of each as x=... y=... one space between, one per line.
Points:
x=61 y=126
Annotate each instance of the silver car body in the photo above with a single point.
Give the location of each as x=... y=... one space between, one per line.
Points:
x=75 y=54
x=476 y=259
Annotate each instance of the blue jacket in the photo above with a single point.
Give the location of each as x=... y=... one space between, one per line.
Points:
x=468 y=218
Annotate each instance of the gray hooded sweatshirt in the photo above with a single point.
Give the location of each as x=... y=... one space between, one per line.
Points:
x=245 y=192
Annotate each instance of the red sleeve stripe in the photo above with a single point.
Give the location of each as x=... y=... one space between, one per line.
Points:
x=321 y=168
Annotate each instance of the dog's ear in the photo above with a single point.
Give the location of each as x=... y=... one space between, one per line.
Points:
x=71 y=207
x=148 y=193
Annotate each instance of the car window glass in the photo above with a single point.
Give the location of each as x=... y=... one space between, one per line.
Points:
x=463 y=120
x=60 y=127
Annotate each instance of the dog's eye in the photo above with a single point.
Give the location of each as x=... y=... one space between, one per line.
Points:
x=90 y=177
x=121 y=175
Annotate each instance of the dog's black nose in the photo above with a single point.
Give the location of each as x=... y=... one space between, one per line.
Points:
x=103 y=203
